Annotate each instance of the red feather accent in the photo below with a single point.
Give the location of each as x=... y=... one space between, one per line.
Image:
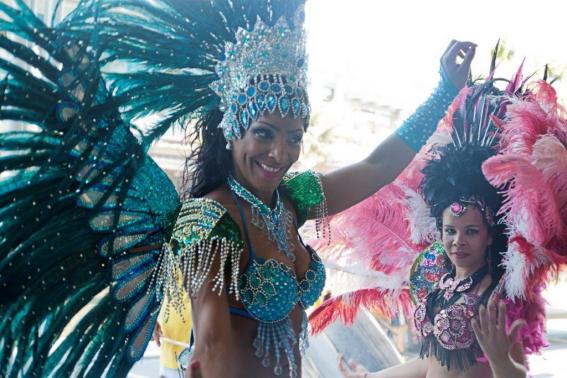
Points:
x=527 y=121
x=527 y=265
x=546 y=96
x=533 y=312
x=346 y=306
x=516 y=81
x=372 y=241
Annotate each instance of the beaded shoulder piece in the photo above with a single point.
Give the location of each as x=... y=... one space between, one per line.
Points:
x=305 y=190
x=204 y=231
x=427 y=270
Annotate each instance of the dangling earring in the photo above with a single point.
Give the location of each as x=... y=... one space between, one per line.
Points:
x=229 y=145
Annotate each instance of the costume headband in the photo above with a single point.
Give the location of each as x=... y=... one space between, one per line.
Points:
x=264 y=71
x=459 y=208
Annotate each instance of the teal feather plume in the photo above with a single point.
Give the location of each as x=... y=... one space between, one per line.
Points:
x=83 y=211
x=171 y=49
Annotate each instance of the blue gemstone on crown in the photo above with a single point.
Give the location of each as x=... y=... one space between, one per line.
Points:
x=271 y=103
x=296 y=107
x=262 y=70
x=264 y=86
x=234 y=127
x=253 y=110
x=250 y=91
x=261 y=102
x=244 y=118
x=284 y=105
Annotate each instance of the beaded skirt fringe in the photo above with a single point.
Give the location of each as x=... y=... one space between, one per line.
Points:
x=279 y=338
x=460 y=359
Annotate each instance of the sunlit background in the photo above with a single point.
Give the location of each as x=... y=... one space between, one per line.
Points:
x=373 y=62
x=378 y=60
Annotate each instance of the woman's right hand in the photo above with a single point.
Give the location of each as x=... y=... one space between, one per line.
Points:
x=351 y=369
x=496 y=342
x=456 y=62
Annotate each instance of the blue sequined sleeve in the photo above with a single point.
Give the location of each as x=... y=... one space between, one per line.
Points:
x=418 y=127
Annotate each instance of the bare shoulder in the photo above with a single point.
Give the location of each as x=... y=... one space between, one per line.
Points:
x=222 y=195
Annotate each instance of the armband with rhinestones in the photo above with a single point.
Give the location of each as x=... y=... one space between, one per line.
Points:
x=418 y=127
x=305 y=189
x=203 y=233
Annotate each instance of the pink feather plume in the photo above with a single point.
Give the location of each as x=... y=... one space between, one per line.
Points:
x=550 y=156
x=530 y=206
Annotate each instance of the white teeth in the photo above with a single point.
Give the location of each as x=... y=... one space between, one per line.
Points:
x=269 y=169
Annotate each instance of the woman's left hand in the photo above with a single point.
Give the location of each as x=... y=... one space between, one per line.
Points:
x=157 y=334
x=456 y=62
x=496 y=342
x=351 y=369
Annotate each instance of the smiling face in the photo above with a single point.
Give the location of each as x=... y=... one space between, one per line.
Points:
x=466 y=239
x=265 y=153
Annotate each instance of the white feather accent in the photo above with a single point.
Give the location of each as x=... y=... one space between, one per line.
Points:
x=518 y=270
x=515 y=276
x=422 y=224
x=440 y=138
x=341 y=278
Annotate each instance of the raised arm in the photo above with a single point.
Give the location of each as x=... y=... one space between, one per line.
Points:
x=347 y=186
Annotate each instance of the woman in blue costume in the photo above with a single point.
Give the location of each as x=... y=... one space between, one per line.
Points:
x=98 y=209
x=250 y=275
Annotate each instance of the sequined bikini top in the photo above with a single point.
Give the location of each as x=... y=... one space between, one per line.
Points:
x=204 y=229
x=269 y=289
x=448 y=334
x=446 y=329
x=451 y=326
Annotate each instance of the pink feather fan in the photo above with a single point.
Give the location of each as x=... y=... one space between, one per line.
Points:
x=532 y=169
x=376 y=242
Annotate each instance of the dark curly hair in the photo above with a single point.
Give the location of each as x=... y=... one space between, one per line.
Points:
x=209 y=163
x=455 y=173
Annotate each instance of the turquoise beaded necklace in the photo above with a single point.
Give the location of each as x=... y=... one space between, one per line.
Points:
x=275 y=224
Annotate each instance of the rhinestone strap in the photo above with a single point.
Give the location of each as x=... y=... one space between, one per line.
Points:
x=275 y=224
x=322 y=224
